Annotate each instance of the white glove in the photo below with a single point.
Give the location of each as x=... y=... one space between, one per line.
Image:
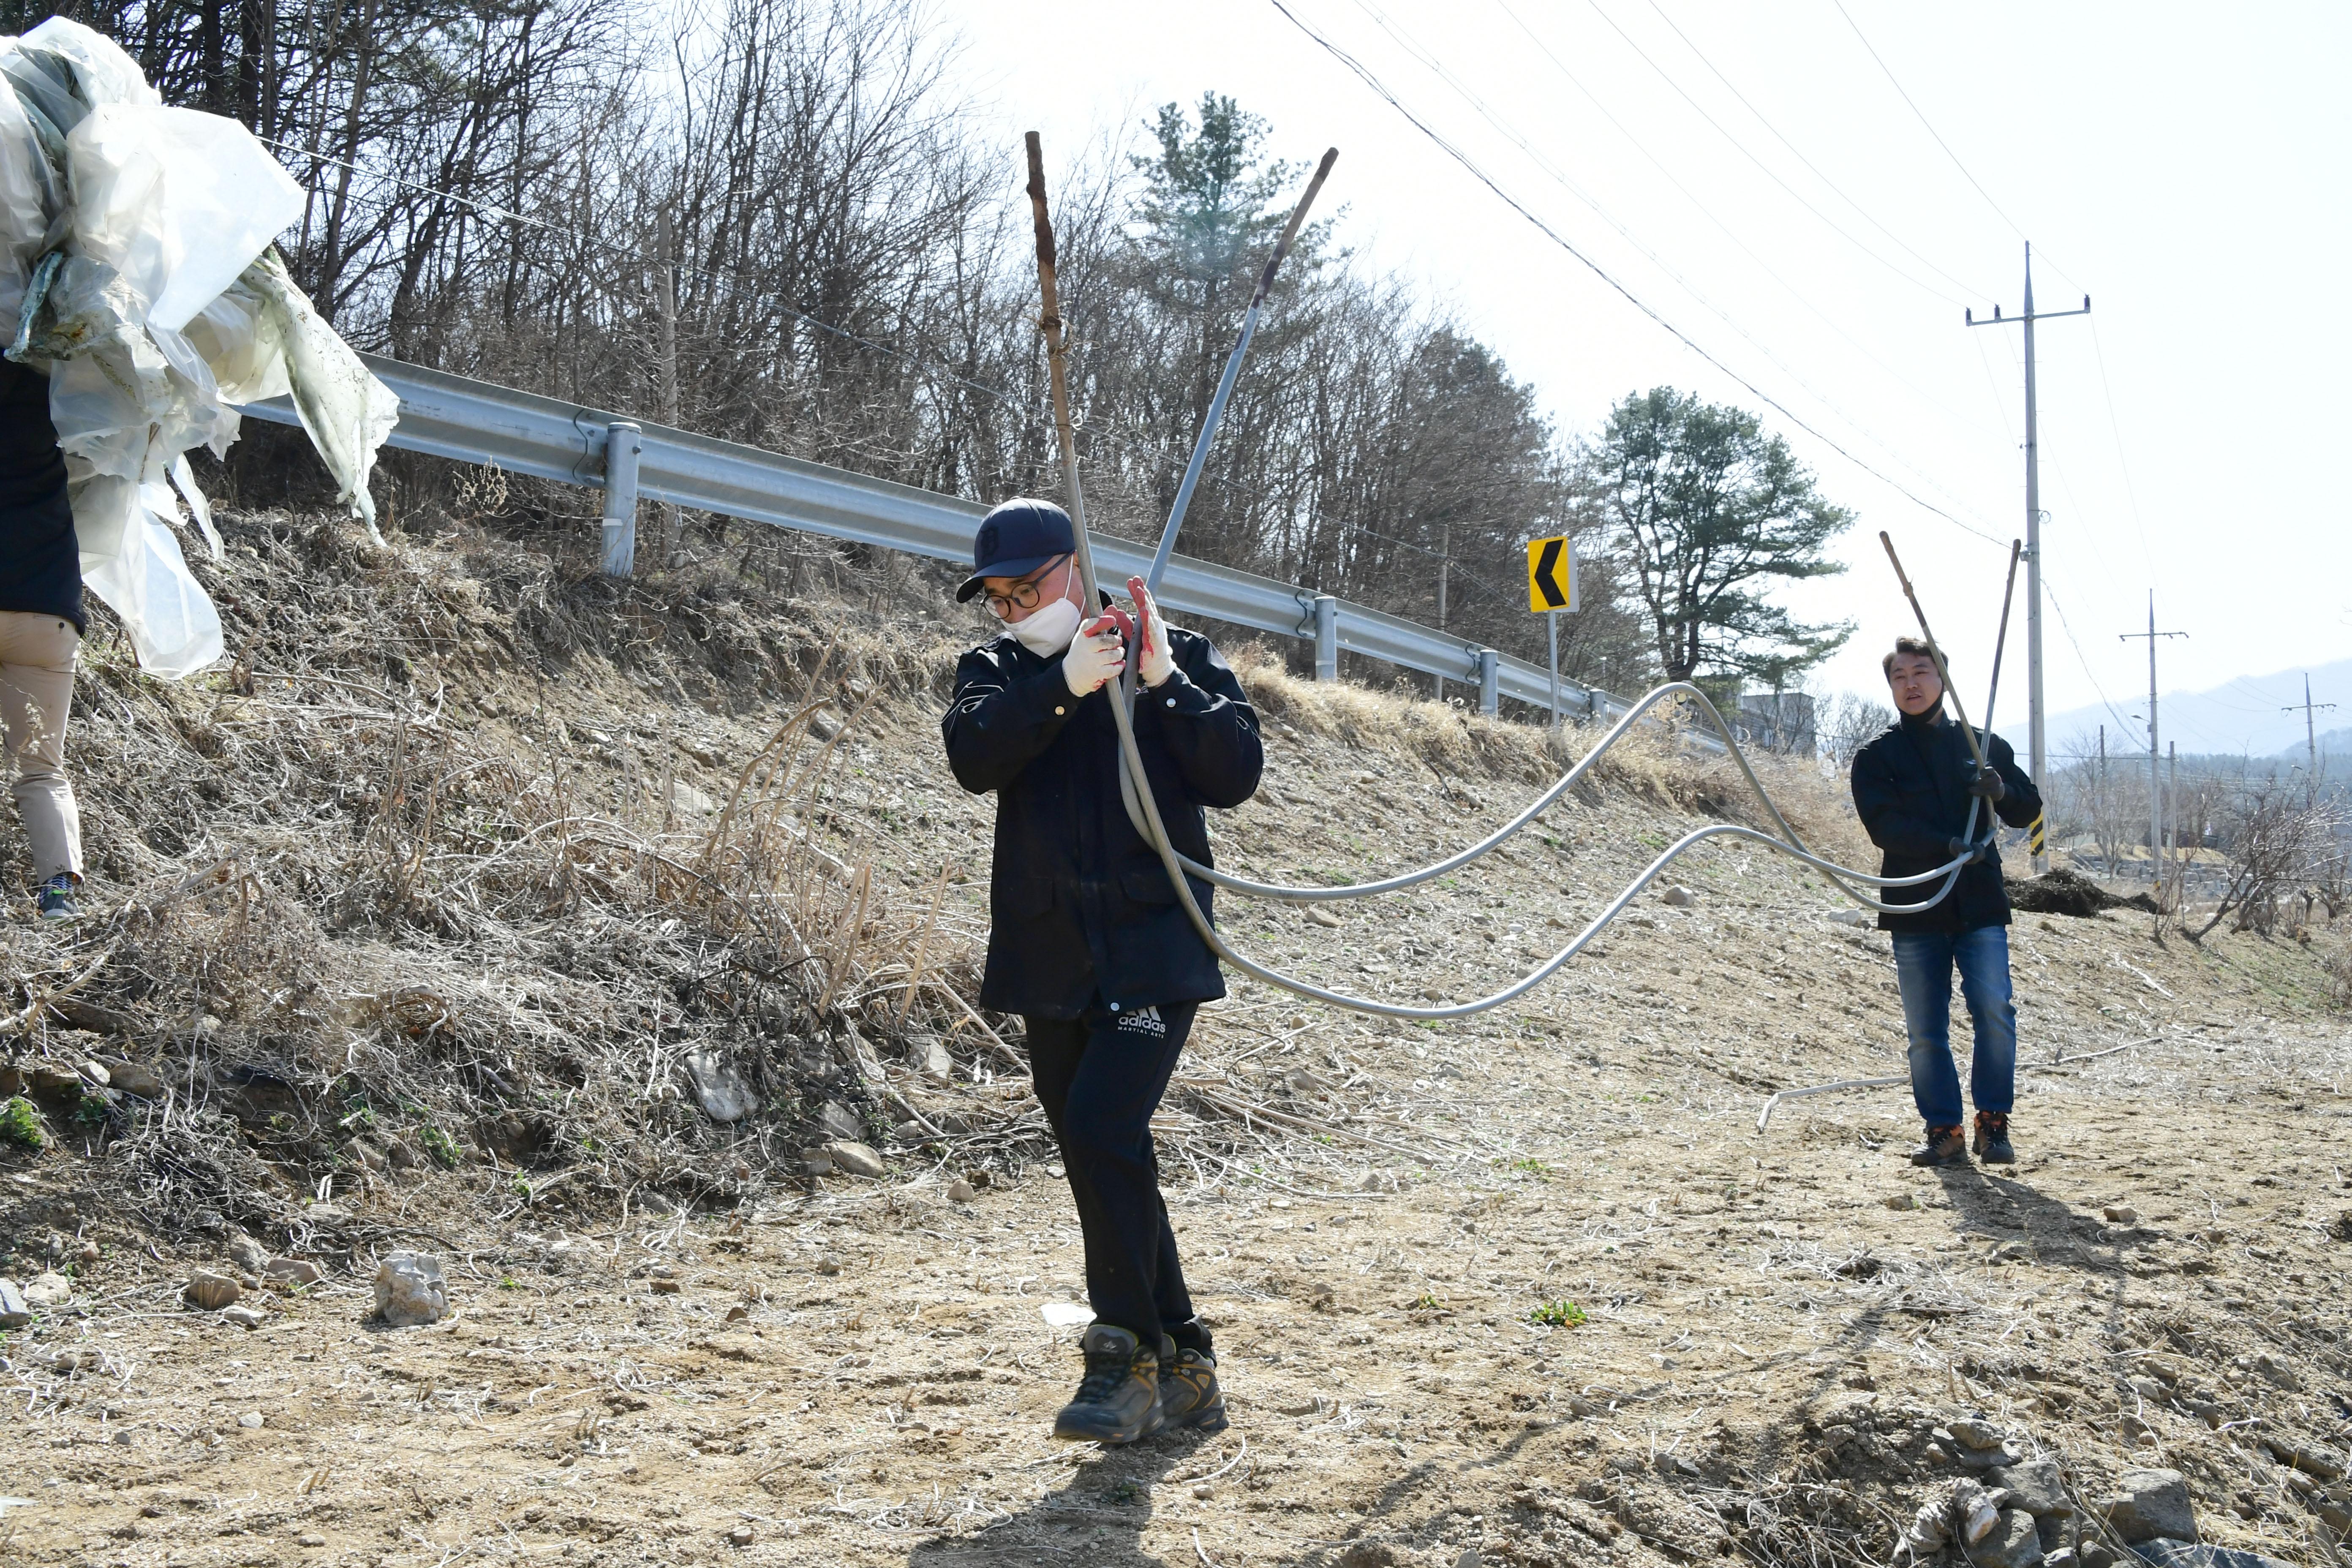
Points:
x=1154 y=663
x=1095 y=656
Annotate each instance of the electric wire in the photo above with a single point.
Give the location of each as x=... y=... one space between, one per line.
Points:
x=1429 y=62
x=1769 y=173
x=1925 y=123
x=1365 y=74
x=1864 y=213
x=2114 y=427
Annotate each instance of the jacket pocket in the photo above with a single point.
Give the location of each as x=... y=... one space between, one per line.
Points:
x=1149 y=887
x=1024 y=898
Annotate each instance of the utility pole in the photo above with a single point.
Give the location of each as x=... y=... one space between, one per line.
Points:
x=2039 y=746
x=2155 y=781
x=2310 y=738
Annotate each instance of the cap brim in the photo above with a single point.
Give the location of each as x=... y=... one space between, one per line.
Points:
x=1019 y=567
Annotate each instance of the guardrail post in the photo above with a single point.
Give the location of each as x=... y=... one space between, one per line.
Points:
x=1490 y=681
x=623 y=442
x=1327 y=638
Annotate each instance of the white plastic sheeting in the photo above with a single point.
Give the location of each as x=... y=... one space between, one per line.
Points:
x=135 y=264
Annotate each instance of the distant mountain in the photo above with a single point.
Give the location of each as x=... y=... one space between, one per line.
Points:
x=2252 y=715
x=2339 y=742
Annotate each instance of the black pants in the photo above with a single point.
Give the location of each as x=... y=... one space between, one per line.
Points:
x=1099 y=1076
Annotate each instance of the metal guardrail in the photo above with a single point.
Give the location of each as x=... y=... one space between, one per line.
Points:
x=523 y=433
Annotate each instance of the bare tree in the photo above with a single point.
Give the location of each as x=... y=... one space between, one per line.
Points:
x=2272 y=839
x=1852 y=722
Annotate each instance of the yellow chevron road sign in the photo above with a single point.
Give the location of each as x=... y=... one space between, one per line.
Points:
x=1551 y=575
x=2035 y=836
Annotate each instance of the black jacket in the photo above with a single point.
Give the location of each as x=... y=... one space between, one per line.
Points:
x=1078 y=900
x=40 y=559
x=1911 y=790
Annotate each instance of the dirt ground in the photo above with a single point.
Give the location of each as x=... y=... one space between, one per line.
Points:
x=1532 y=1288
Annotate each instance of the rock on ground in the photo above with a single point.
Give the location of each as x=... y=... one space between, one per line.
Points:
x=2152 y=1504
x=15 y=1310
x=2013 y=1543
x=857 y=1159
x=410 y=1291
x=2187 y=1554
x=210 y=1291
x=48 y=1290
x=2037 y=1487
x=719 y=1089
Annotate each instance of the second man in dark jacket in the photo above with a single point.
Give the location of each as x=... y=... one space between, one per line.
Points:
x=1913 y=788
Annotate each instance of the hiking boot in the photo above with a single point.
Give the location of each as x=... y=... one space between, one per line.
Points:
x=1992 y=1139
x=1944 y=1146
x=1188 y=1394
x=1118 y=1399
x=57 y=898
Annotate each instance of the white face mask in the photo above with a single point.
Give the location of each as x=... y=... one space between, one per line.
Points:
x=1047 y=630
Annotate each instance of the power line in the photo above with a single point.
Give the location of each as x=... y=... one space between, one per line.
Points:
x=1800 y=157
x=1769 y=173
x=1931 y=130
x=2051 y=588
x=1478 y=174
x=2114 y=427
x=1437 y=68
x=1549 y=167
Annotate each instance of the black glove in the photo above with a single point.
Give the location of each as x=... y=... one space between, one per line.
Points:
x=1956 y=847
x=1986 y=785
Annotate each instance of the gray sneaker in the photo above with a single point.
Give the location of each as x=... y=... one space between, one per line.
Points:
x=1118 y=1399
x=57 y=898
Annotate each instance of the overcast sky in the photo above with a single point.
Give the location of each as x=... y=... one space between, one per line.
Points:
x=1753 y=174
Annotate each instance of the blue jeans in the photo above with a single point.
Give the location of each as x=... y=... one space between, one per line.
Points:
x=1924 y=962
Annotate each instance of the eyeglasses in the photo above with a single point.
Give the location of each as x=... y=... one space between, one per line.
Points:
x=1025 y=593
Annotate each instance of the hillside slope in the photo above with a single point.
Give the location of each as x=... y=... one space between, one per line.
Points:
x=451 y=914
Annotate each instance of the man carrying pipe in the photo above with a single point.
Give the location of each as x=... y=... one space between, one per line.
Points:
x=1086 y=940
x=1913 y=787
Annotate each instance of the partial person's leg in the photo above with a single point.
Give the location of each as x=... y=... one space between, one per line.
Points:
x=1923 y=969
x=1114 y=1173
x=1055 y=1047
x=37 y=673
x=1983 y=958
x=1100 y=1098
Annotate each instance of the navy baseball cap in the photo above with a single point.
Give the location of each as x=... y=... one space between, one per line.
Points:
x=1014 y=539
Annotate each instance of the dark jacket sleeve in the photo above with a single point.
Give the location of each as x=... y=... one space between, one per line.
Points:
x=998 y=720
x=1210 y=727
x=2022 y=803
x=1876 y=800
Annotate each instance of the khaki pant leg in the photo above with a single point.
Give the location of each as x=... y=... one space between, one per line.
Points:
x=37 y=674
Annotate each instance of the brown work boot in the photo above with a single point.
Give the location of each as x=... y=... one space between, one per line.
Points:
x=1188 y=1394
x=1992 y=1138
x=1118 y=1399
x=1944 y=1146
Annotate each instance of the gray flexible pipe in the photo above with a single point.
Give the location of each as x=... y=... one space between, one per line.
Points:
x=1156 y=833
